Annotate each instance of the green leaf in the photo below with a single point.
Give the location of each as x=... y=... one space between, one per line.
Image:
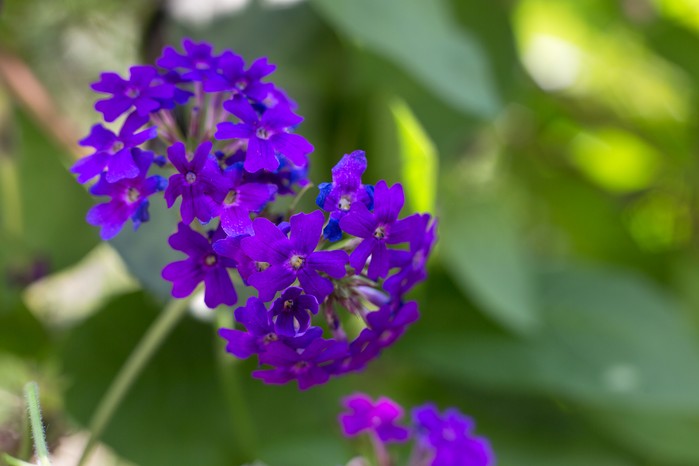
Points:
x=146 y=251
x=418 y=157
x=609 y=339
x=661 y=437
x=422 y=38
x=481 y=246
x=175 y=413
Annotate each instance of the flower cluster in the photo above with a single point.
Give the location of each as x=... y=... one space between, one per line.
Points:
x=439 y=439
x=218 y=141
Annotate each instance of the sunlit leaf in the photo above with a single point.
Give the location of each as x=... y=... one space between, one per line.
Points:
x=418 y=157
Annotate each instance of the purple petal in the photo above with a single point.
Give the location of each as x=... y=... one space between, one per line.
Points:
x=293 y=147
x=219 y=288
x=359 y=222
x=378 y=267
x=306 y=230
x=121 y=165
x=331 y=262
x=360 y=255
x=260 y=156
x=388 y=202
x=271 y=280
x=235 y=221
x=314 y=284
x=241 y=344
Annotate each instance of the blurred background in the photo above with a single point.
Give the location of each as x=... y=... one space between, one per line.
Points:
x=555 y=140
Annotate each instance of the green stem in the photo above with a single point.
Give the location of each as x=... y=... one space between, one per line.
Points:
x=31 y=395
x=132 y=368
x=235 y=398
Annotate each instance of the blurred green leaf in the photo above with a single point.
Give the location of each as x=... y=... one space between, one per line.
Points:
x=481 y=246
x=609 y=339
x=422 y=38
x=662 y=437
x=175 y=413
x=146 y=251
x=42 y=208
x=22 y=334
x=418 y=157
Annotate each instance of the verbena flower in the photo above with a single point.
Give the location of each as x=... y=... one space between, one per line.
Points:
x=199 y=180
x=129 y=198
x=449 y=438
x=438 y=440
x=228 y=142
x=266 y=134
x=203 y=264
x=113 y=154
x=378 y=229
x=293 y=257
x=143 y=91
x=379 y=418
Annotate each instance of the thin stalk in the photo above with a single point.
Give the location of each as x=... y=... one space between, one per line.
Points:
x=31 y=395
x=233 y=391
x=298 y=197
x=132 y=368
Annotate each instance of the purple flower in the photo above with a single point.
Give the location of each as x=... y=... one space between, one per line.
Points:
x=112 y=151
x=266 y=135
x=378 y=229
x=413 y=263
x=346 y=188
x=240 y=200
x=260 y=330
x=380 y=418
x=291 y=313
x=450 y=438
x=198 y=61
x=386 y=325
x=129 y=198
x=197 y=181
x=202 y=265
x=309 y=366
x=143 y=90
x=231 y=76
x=293 y=257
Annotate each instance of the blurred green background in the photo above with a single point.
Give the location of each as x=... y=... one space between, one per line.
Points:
x=555 y=140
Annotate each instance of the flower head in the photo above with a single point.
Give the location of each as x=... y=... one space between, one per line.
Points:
x=378 y=417
x=378 y=229
x=143 y=91
x=203 y=264
x=129 y=198
x=450 y=438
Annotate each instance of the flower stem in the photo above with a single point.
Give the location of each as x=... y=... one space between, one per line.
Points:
x=31 y=395
x=235 y=398
x=132 y=368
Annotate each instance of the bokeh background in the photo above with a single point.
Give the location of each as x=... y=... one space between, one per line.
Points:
x=556 y=141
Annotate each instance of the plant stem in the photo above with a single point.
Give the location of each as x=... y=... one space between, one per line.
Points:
x=132 y=368
x=233 y=391
x=31 y=395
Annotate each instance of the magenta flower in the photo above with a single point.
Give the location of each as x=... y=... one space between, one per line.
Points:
x=291 y=313
x=129 y=198
x=113 y=152
x=293 y=257
x=203 y=264
x=266 y=135
x=378 y=418
x=378 y=229
x=450 y=438
x=308 y=367
x=144 y=91
x=198 y=181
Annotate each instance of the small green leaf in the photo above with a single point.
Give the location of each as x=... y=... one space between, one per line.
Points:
x=418 y=156
x=421 y=37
